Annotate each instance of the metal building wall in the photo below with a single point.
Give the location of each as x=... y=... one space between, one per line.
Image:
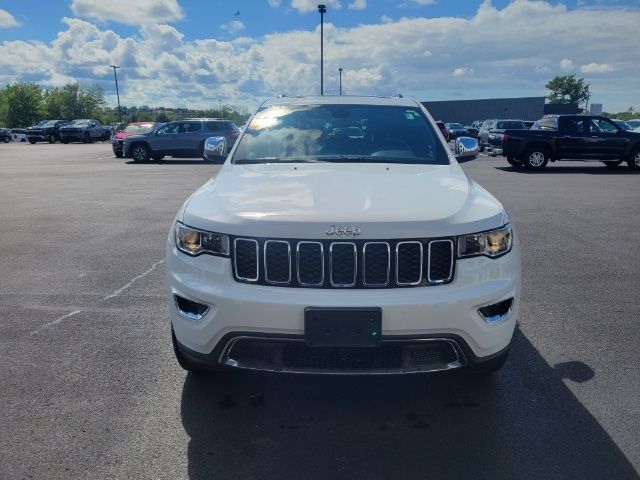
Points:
x=466 y=111
x=561 y=109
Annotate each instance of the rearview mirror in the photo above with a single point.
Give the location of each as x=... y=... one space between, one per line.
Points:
x=215 y=148
x=465 y=148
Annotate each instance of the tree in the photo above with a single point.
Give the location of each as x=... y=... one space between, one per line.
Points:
x=54 y=100
x=567 y=89
x=22 y=104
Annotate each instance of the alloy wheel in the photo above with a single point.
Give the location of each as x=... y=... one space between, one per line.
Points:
x=536 y=159
x=140 y=154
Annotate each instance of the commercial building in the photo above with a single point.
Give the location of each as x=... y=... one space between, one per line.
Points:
x=466 y=111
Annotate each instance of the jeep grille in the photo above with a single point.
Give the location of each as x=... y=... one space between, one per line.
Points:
x=343 y=264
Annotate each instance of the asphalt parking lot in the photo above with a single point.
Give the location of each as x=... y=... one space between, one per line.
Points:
x=89 y=387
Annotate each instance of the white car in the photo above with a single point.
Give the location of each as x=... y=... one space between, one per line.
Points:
x=341 y=236
x=19 y=134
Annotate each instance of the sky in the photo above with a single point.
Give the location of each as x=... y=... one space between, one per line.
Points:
x=192 y=53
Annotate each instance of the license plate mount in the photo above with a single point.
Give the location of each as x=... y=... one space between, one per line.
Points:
x=342 y=326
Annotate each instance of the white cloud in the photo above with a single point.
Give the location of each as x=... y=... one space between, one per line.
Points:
x=138 y=12
x=306 y=6
x=233 y=27
x=274 y=3
x=386 y=19
x=7 y=20
x=461 y=71
x=566 y=64
x=596 y=68
x=415 y=56
x=416 y=3
x=358 y=5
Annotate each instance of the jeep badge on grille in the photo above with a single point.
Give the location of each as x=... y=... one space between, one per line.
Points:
x=335 y=230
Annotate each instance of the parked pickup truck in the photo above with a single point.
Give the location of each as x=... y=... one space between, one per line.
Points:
x=490 y=135
x=84 y=130
x=572 y=137
x=45 y=131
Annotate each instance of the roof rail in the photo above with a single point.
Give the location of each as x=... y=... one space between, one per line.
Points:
x=397 y=95
x=282 y=95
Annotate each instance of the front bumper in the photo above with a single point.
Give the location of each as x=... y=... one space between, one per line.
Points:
x=71 y=136
x=442 y=311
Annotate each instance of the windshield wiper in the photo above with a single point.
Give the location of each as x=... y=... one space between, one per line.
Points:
x=249 y=161
x=336 y=159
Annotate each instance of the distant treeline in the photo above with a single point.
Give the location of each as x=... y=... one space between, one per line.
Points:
x=23 y=104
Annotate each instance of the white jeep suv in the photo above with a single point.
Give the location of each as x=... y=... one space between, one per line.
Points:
x=341 y=236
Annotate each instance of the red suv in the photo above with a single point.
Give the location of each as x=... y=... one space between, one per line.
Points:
x=135 y=128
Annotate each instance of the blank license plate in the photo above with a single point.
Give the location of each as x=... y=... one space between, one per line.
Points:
x=342 y=327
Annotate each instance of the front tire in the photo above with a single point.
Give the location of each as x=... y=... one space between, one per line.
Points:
x=51 y=139
x=140 y=153
x=86 y=138
x=536 y=158
x=32 y=141
x=6 y=140
x=634 y=160
x=119 y=154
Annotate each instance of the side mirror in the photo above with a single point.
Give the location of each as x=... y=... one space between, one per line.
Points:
x=465 y=148
x=215 y=148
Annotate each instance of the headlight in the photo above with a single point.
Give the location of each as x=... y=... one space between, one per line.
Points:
x=194 y=242
x=491 y=244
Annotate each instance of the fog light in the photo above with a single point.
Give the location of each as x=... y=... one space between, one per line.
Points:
x=496 y=312
x=190 y=309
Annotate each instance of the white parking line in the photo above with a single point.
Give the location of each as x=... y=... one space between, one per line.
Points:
x=55 y=322
x=133 y=280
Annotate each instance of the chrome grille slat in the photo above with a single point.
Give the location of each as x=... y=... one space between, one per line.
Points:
x=334 y=265
x=246 y=259
x=399 y=258
x=284 y=279
x=350 y=264
x=434 y=275
x=301 y=259
x=387 y=248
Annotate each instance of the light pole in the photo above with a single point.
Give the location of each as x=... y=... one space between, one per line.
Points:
x=117 y=94
x=340 y=71
x=322 y=9
x=220 y=108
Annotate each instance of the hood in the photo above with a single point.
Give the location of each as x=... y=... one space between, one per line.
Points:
x=303 y=200
x=121 y=135
x=135 y=136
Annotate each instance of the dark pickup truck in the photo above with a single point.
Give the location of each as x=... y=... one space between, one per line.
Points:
x=45 y=131
x=572 y=137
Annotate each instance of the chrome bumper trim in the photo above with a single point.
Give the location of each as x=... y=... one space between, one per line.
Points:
x=459 y=362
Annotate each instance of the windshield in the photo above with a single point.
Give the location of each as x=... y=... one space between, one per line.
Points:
x=511 y=125
x=50 y=123
x=345 y=133
x=41 y=123
x=138 y=129
x=622 y=124
x=456 y=126
x=78 y=122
